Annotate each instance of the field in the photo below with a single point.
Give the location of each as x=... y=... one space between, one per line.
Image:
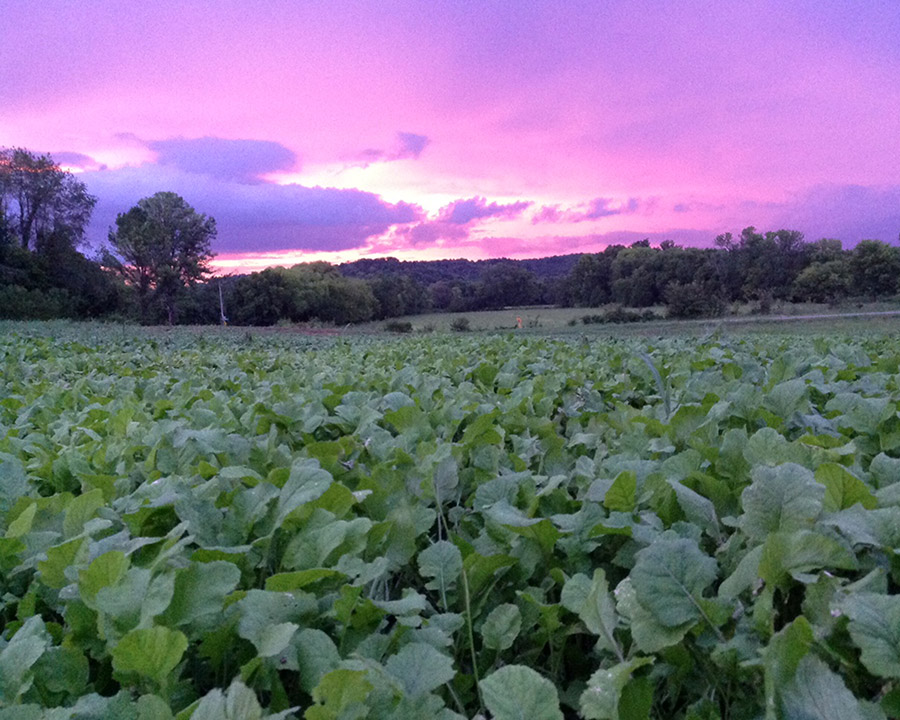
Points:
x=244 y=524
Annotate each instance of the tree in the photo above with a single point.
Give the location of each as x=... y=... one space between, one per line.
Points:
x=875 y=269
x=162 y=245
x=41 y=205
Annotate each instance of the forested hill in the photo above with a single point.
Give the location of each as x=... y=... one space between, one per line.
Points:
x=429 y=272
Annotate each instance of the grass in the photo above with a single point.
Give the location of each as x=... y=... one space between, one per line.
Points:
x=535 y=320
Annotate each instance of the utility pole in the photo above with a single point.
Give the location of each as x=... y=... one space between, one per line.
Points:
x=222 y=318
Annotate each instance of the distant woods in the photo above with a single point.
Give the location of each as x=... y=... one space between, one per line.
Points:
x=155 y=269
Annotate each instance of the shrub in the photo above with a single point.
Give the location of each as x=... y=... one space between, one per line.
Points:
x=398 y=326
x=460 y=324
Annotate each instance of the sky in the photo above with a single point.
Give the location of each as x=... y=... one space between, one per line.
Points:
x=343 y=129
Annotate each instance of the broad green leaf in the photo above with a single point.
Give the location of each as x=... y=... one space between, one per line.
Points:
x=591 y=601
x=237 y=703
x=843 y=489
x=80 y=510
x=697 y=509
x=59 y=559
x=62 y=669
x=781 y=658
x=307 y=482
x=420 y=668
x=151 y=652
x=799 y=553
x=317 y=655
x=200 y=591
x=648 y=633
x=600 y=700
x=517 y=692
x=340 y=694
x=621 y=494
x=23 y=522
x=875 y=629
x=269 y=619
x=19 y=656
x=784 y=498
x=285 y=582
x=501 y=627
x=105 y=571
x=153 y=707
x=669 y=578
x=441 y=561
x=15 y=482
x=817 y=693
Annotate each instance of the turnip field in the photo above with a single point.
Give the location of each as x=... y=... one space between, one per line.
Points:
x=223 y=525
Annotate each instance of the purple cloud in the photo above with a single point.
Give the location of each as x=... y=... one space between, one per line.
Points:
x=77 y=160
x=234 y=160
x=462 y=212
x=408 y=146
x=411 y=144
x=260 y=217
x=594 y=210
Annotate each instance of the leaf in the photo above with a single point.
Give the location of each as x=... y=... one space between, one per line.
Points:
x=782 y=656
x=80 y=510
x=317 y=655
x=591 y=601
x=104 y=571
x=17 y=658
x=340 y=694
x=153 y=707
x=420 y=668
x=151 y=652
x=669 y=578
x=501 y=627
x=600 y=700
x=649 y=635
x=801 y=552
x=269 y=619
x=786 y=497
x=516 y=692
x=237 y=703
x=816 y=693
x=843 y=489
x=200 y=591
x=443 y=562
x=696 y=508
x=621 y=494
x=875 y=629
x=307 y=482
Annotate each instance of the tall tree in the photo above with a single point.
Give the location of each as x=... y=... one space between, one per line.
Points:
x=41 y=205
x=162 y=245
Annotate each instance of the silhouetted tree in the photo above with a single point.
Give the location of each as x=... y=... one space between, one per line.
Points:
x=161 y=246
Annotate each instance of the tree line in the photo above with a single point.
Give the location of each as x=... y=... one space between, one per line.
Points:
x=155 y=268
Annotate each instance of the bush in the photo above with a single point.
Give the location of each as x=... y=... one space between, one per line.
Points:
x=398 y=326
x=692 y=300
x=618 y=314
x=460 y=324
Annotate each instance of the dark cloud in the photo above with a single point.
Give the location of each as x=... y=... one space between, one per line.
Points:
x=848 y=212
x=408 y=146
x=411 y=144
x=430 y=233
x=605 y=207
x=462 y=212
x=594 y=210
x=241 y=161
x=254 y=217
x=77 y=160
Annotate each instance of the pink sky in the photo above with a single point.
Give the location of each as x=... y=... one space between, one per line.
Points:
x=338 y=130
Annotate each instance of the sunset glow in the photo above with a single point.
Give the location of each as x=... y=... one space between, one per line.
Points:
x=340 y=130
